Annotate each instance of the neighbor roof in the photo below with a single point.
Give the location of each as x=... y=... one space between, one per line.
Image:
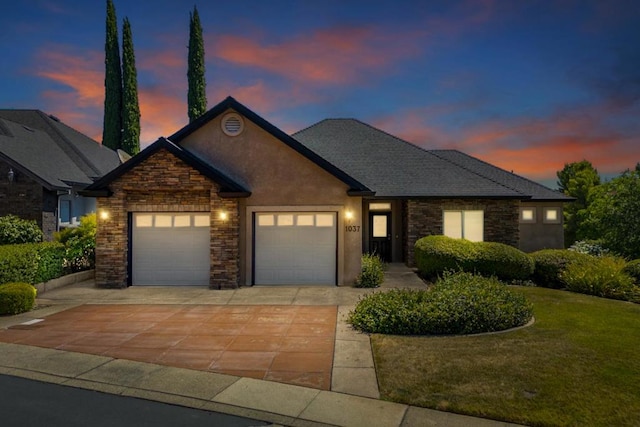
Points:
x=356 y=187
x=393 y=167
x=51 y=152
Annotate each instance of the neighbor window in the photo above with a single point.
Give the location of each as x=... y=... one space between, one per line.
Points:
x=464 y=225
x=527 y=215
x=552 y=215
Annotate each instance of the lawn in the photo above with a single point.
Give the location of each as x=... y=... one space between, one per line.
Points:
x=578 y=365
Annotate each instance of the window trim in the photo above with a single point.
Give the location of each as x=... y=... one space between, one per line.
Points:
x=558 y=219
x=533 y=219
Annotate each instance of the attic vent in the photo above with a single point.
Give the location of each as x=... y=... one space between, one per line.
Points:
x=232 y=124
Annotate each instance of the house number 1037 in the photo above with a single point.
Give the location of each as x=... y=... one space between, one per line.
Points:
x=352 y=228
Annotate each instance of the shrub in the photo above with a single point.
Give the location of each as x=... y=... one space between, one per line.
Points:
x=589 y=247
x=16 y=298
x=459 y=303
x=633 y=269
x=14 y=230
x=50 y=261
x=372 y=272
x=603 y=277
x=436 y=254
x=551 y=263
x=80 y=245
x=18 y=263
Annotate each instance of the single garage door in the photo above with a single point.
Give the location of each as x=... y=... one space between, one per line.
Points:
x=170 y=248
x=295 y=248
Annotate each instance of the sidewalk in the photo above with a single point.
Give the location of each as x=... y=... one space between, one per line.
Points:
x=352 y=401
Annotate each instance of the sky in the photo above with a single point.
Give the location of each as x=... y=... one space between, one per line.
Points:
x=523 y=84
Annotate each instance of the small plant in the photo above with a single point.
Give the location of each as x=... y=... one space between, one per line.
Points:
x=602 y=276
x=16 y=298
x=633 y=269
x=589 y=247
x=80 y=245
x=372 y=272
x=459 y=303
x=14 y=230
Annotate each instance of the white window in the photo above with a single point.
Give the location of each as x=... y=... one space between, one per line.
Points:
x=527 y=215
x=552 y=215
x=464 y=225
x=379 y=206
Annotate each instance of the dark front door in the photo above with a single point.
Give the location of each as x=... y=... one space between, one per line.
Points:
x=380 y=235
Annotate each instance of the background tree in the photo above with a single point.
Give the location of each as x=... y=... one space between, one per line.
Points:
x=130 y=106
x=112 y=124
x=577 y=180
x=613 y=214
x=197 y=97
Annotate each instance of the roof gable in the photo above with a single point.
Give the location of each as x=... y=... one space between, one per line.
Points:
x=356 y=187
x=228 y=187
x=393 y=167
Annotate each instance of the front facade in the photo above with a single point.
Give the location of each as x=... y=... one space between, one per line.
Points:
x=231 y=201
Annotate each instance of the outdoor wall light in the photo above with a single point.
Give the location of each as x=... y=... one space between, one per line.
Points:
x=224 y=216
x=104 y=215
x=348 y=214
x=11 y=175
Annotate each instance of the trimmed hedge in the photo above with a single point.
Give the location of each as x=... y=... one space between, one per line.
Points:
x=15 y=230
x=371 y=273
x=459 y=303
x=601 y=276
x=551 y=263
x=437 y=254
x=31 y=262
x=16 y=298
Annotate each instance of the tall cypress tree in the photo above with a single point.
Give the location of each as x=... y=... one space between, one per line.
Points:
x=197 y=97
x=130 y=106
x=112 y=125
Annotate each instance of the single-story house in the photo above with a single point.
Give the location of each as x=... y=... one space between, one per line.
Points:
x=43 y=165
x=231 y=200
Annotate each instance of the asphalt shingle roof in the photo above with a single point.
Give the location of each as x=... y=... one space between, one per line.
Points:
x=393 y=167
x=56 y=155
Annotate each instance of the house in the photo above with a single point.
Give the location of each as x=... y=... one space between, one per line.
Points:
x=43 y=165
x=231 y=200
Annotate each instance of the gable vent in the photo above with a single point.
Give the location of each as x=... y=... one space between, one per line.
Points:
x=232 y=124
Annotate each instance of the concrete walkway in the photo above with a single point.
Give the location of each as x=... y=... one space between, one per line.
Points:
x=352 y=401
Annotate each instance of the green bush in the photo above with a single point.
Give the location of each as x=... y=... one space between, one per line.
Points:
x=551 y=263
x=80 y=245
x=14 y=230
x=436 y=254
x=50 y=260
x=18 y=263
x=16 y=298
x=458 y=303
x=601 y=276
x=633 y=269
x=372 y=272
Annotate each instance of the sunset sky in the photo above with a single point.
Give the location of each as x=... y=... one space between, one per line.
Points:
x=525 y=85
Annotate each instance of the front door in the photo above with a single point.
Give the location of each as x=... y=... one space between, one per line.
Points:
x=380 y=235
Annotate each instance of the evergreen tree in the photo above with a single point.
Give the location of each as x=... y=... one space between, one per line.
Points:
x=197 y=97
x=112 y=124
x=130 y=106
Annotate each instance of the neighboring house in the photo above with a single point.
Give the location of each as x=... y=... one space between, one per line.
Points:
x=43 y=165
x=232 y=200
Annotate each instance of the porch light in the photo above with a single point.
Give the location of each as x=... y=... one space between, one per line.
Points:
x=348 y=214
x=104 y=215
x=224 y=216
x=11 y=175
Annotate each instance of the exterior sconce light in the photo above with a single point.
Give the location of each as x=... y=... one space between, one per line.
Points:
x=104 y=215
x=11 y=175
x=224 y=216
x=348 y=215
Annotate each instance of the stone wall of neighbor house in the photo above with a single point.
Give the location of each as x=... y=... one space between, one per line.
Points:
x=163 y=183
x=27 y=199
x=424 y=218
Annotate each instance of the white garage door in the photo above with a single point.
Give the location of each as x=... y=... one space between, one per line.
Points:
x=170 y=248
x=295 y=248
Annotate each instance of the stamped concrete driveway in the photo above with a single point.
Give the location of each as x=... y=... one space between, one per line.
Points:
x=286 y=343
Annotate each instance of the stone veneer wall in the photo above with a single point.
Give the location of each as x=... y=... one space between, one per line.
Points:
x=424 y=218
x=163 y=183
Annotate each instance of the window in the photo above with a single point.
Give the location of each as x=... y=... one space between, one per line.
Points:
x=552 y=216
x=464 y=225
x=527 y=215
x=379 y=206
x=65 y=211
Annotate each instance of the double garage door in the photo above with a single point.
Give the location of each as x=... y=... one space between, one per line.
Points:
x=288 y=248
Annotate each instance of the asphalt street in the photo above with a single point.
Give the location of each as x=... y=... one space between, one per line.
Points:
x=27 y=403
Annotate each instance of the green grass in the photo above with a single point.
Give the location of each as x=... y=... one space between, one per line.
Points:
x=578 y=365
